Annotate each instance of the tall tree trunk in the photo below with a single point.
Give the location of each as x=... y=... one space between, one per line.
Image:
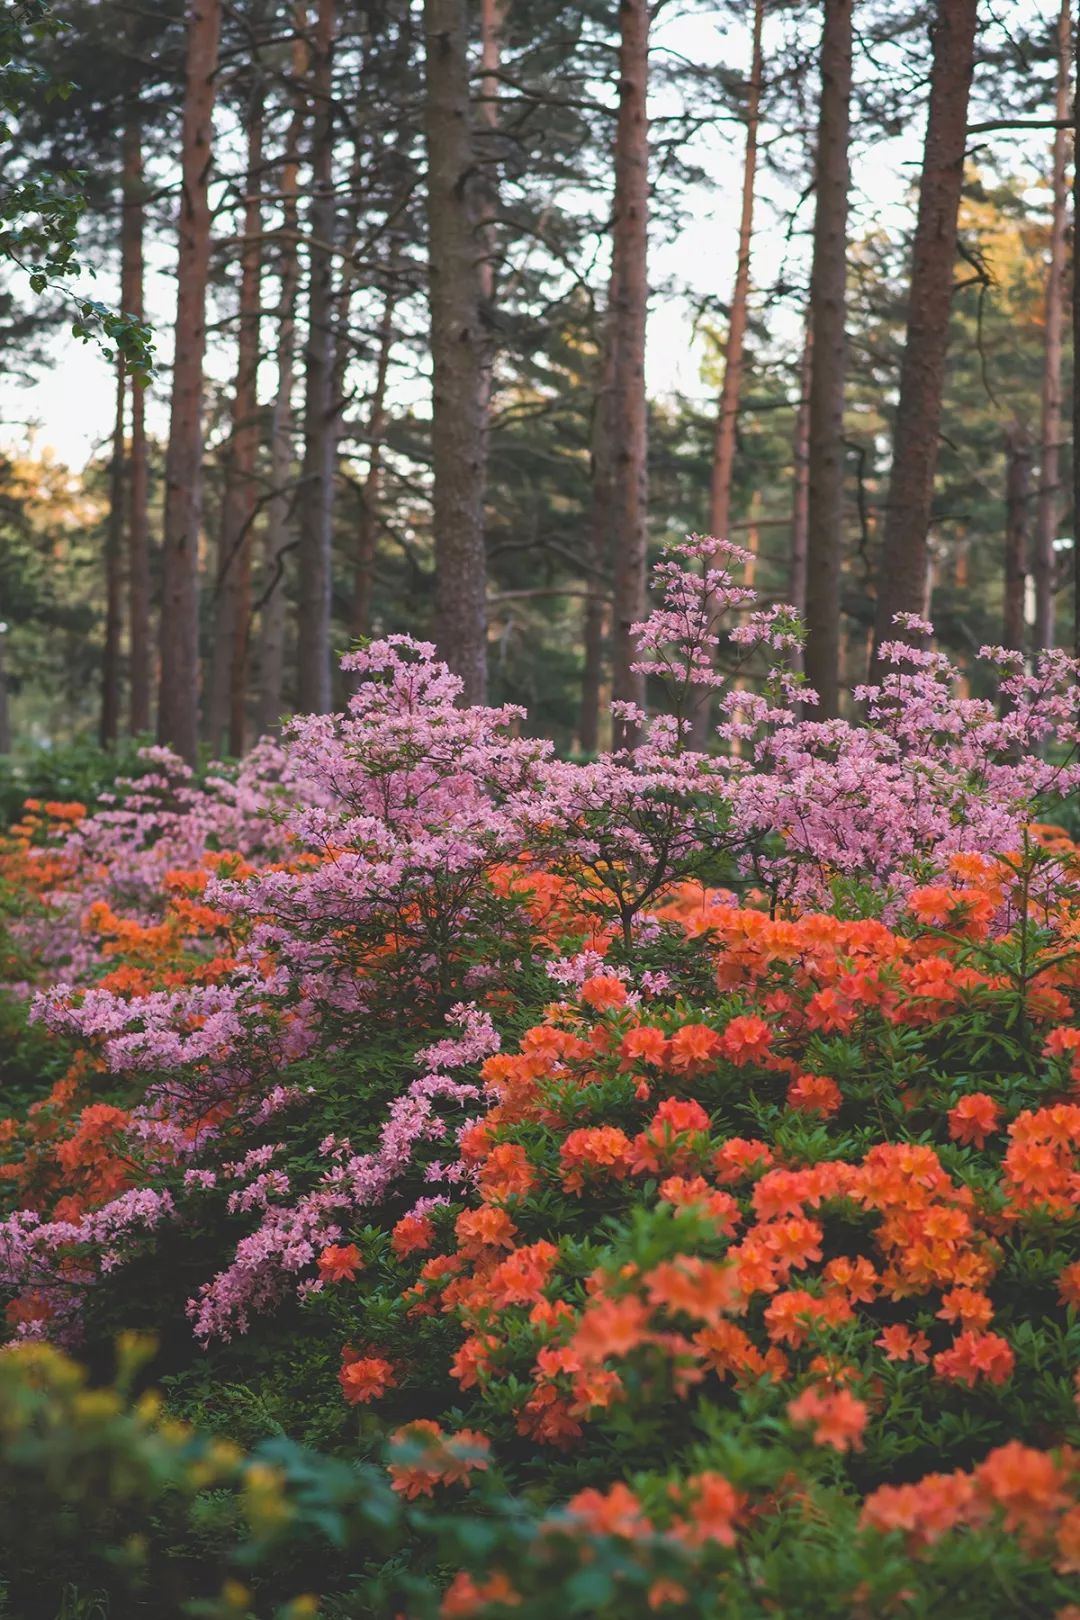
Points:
x=902 y=580
x=281 y=505
x=1076 y=347
x=1044 y=562
x=828 y=299
x=1017 y=496
x=178 y=703
x=601 y=503
x=727 y=416
x=492 y=22
x=109 y=724
x=368 y=525
x=800 y=511
x=226 y=707
x=629 y=421
x=320 y=407
x=459 y=350
x=140 y=679
x=5 y=710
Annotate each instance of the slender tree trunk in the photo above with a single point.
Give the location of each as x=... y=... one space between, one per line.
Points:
x=140 y=678
x=629 y=421
x=320 y=409
x=5 y=710
x=1017 y=496
x=459 y=350
x=1076 y=346
x=828 y=299
x=279 y=518
x=368 y=526
x=800 y=512
x=109 y=724
x=226 y=707
x=492 y=22
x=601 y=504
x=901 y=584
x=1044 y=562
x=178 y=704
x=727 y=417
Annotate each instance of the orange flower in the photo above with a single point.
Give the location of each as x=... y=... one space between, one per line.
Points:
x=974 y=1118
x=692 y=1048
x=694 y=1193
x=1069 y=1282
x=412 y=1235
x=967 y=1306
x=464 y=1598
x=693 y=1286
x=603 y=990
x=712 y=1508
x=506 y=1173
x=339 y=1263
x=487 y=1227
x=746 y=1040
x=601 y=1148
x=838 y=1417
x=1068 y=1543
x=616 y=1512
x=610 y=1327
x=814 y=1094
x=1026 y=1484
x=974 y=1355
x=646 y=1043
x=364 y=1378
x=901 y=1344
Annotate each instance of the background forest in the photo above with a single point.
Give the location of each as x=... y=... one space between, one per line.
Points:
x=398 y=262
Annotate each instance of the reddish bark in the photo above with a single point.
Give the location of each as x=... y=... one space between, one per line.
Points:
x=178 y=702
x=828 y=299
x=629 y=421
x=320 y=407
x=140 y=673
x=459 y=350
x=902 y=579
x=1017 y=497
x=1048 y=510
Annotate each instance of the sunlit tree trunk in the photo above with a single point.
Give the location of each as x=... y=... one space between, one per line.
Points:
x=1017 y=497
x=226 y=706
x=316 y=507
x=280 y=537
x=629 y=421
x=800 y=511
x=109 y=723
x=368 y=526
x=901 y=582
x=1049 y=504
x=727 y=416
x=828 y=300
x=459 y=350
x=600 y=546
x=140 y=675
x=178 y=703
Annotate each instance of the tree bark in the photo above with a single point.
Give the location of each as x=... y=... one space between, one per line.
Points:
x=828 y=300
x=600 y=546
x=368 y=525
x=492 y=22
x=320 y=407
x=109 y=724
x=459 y=350
x=902 y=581
x=1017 y=496
x=629 y=421
x=727 y=417
x=178 y=703
x=1076 y=346
x=279 y=540
x=140 y=674
x=226 y=708
x=800 y=512
x=1044 y=561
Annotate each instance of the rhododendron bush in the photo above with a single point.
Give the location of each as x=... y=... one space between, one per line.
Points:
x=663 y=1169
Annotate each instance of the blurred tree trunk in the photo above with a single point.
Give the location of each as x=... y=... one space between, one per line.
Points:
x=492 y=23
x=1017 y=496
x=140 y=677
x=629 y=420
x=727 y=416
x=320 y=408
x=109 y=723
x=178 y=702
x=459 y=350
x=902 y=576
x=227 y=703
x=1044 y=562
x=800 y=511
x=828 y=300
x=601 y=504
x=279 y=539
x=368 y=526
x=1076 y=347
